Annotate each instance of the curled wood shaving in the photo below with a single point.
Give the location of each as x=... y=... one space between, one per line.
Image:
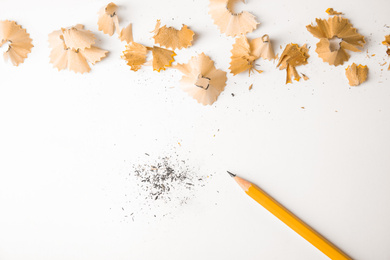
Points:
x=201 y=80
x=336 y=27
x=229 y=22
x=19 y=42
x=242 y=59
x=262 y=48
x=108 y=20
x=77 y=38
x=78 y=53
x=135 y=55
x=244 y=54
x=293 y=56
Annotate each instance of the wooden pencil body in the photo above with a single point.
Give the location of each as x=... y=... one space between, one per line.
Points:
x=292 y=221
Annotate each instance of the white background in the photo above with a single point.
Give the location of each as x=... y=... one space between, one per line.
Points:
x=67 y=141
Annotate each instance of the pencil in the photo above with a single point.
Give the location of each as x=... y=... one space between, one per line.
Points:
x=290 y=219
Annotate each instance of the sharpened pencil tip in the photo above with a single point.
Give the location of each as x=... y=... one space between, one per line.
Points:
x=231 y=174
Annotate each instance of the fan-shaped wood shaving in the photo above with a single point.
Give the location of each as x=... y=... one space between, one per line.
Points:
x=108 y=20
x=19 y=42
x=76 y=62
x=64 y=58
x=135 y=55
x=293 y=56
x=228 y=22
x=339 y=27
x=77 y=38
x=73 y=58
x=244 y=54
x=356 y=74
x=93 y=54
x=171 y=38
x=162 y=58
x=201 y=80
x=262 y=48
x=242 y=58
x=59 y=57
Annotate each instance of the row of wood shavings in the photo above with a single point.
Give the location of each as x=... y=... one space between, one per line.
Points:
x=72 y=48
x=245 y=53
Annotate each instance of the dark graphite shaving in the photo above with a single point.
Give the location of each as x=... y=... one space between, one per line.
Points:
x=167 y=178
x=157 y=186
x=159 y=179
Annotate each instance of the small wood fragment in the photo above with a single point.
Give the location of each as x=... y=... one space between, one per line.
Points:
x=356 y=74
x=331 y=11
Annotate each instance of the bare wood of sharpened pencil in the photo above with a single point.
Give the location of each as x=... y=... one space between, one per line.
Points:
x=290 y=219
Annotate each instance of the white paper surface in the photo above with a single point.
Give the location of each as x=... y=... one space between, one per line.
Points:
x=67 y=141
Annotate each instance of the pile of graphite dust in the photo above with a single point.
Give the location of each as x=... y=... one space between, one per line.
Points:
x=159 y=186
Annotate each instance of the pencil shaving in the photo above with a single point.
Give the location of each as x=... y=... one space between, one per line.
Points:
x=356 y=74
x=18 y=40
x=291 y=57
x=229 y=22
x=108 y=21
x=262 y=48
x=63 y=58
x=126 y=34
x=76 y=62
x=93 y=54
x=135 y=55
x=77 y=38
x=331 y=11
x=242 y=59
x=387 y=43
x=201 y=80
x=171 y=38
x=244 y=54
x=336 y=28
x=78 y=53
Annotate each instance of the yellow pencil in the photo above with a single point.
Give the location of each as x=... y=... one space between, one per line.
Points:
x=290 y=219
